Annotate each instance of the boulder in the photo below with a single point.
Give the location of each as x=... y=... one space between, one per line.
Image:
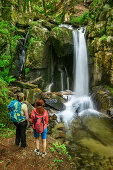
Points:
x=54 y=103
x=37 y=38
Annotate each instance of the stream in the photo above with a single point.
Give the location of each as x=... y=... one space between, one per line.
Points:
x=89 y=136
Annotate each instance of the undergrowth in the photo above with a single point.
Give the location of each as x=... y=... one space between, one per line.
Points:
x=61 y=150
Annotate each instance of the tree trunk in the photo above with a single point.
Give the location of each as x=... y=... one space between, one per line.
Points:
x=20 y=5
x=25 y=7
x=44 y=6
x=29 y=6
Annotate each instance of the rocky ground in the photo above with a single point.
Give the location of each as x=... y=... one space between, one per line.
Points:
x=15 y=158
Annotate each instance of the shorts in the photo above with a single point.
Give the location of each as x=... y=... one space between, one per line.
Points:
x=44 y=134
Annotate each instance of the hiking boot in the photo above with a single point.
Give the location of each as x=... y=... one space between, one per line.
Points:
x=44 y=154
x=37 y=151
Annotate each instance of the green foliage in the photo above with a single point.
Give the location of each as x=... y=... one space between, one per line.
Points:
x=60 y=148
x=26 y=71
x=58 y=18
x=110 y=89
x=58 y=30
x=38 y=9
x=105 y=37
x=6 y=58
x=9 y=40
x=14 y=41
x=32 y=40
x=62 y=151
x=96 y=7
x=83 y=19
x=4 y=69
x=3 y=102
x=6 y=132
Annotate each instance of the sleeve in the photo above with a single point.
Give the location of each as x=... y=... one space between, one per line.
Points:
x=24 y=106
x=46 y=117
x=32 y=116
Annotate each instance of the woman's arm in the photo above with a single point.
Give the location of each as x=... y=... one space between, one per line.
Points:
x=46 y=118
x=27 y=117
x=32 y=116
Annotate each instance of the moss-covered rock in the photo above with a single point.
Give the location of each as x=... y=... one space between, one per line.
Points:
x=25 y=85
x=32 y=94
x=62 y=40
x=37 y=38
x=100 y=40
x=103 y=98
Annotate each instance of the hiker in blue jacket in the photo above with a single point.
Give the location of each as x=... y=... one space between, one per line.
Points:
x=21 y=125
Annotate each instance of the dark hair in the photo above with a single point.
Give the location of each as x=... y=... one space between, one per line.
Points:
x=39 y=106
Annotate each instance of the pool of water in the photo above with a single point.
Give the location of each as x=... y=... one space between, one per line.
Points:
x=90 y=142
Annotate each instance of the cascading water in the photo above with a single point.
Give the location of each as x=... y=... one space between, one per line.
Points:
x=80 y=69
x=67 y=78
x=80 y=102
x=80 y=63
x=91 y=132
x=22 y=57
x=51 y=71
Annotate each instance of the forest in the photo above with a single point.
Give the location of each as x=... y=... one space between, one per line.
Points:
x=42 y=48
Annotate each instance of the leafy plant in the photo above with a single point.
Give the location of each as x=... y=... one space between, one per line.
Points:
x=61 y=149
x=81 y=19
x=26 y=71
x=6 y=132
x=104 y=37
x=63 y=154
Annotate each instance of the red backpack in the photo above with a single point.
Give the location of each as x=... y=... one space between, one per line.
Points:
x=39 y=123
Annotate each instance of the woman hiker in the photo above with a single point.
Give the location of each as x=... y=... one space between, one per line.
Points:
x=39 y=117
x=21 y=126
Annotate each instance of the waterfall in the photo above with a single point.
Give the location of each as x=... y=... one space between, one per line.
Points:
x=48 y=89
x=67 y=78
x=62 y=80
x=80 y=63
x=22 y=56
x=80 y=69
x=80 y=103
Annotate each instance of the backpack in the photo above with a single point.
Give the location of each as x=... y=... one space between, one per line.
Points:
x=15 y=111
x=39 y=123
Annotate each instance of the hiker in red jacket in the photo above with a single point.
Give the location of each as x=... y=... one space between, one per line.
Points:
x=39 y=117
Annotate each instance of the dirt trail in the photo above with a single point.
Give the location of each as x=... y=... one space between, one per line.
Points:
x=15 y=158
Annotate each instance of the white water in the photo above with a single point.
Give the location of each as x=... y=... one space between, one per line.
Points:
x=49 y=87
x=80 y=64
x=81 y=103
x=22 y=57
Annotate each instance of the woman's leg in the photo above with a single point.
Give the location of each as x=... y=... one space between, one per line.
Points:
x=36 y=135
x=43 y=145
x=17 y=140
x=44 y=135
x=23 y=126
x=37 y=143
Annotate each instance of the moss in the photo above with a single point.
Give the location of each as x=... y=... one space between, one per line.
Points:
x=61 y=38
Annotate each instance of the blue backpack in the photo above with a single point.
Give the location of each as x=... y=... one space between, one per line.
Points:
x=15 y=111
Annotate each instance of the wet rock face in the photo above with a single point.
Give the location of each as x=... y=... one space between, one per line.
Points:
x=49 y=51
x=61 y=39
x=103 y=99
x=54 y=103
x=59 y=132
x=100 y=40
x=36 y=41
